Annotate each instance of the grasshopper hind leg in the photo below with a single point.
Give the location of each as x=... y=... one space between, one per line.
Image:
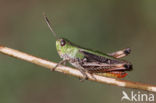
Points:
x=82 y=70
x=85 y=77
x=121 y=53
x=77 y=63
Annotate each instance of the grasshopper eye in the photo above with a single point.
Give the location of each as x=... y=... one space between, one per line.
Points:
x=62 y=42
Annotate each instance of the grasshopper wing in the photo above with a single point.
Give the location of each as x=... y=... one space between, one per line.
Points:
x=100 y=63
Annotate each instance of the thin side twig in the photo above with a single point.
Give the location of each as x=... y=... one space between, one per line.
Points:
x=74 y=72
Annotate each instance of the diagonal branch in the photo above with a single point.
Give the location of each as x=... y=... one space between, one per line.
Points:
x=74 y=72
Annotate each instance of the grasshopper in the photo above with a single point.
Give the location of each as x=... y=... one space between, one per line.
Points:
x=87 y=60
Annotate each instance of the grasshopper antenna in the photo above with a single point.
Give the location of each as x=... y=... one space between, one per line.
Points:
x=49 y=25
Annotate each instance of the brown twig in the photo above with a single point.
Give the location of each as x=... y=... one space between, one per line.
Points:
x=68 y=70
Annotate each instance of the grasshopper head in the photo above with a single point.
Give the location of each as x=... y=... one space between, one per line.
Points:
x=62 y=46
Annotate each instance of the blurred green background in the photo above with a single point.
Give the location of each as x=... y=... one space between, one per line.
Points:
x=104 y=25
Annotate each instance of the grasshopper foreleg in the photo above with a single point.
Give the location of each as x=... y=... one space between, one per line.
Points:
x=120 y=53
x=61 y=62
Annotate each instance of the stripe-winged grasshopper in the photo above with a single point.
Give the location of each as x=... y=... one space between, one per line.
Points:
x=90 y=61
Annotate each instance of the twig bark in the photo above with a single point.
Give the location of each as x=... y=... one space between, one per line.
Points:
x=68 y=70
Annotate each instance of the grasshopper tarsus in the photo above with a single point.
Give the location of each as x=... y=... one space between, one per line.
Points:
x=52 y=69
x=83 y=78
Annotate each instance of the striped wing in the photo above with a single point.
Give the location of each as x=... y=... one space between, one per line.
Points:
x=100 y=64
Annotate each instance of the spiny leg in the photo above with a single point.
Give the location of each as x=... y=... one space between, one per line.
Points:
x=61 y=62
x=120 y=53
